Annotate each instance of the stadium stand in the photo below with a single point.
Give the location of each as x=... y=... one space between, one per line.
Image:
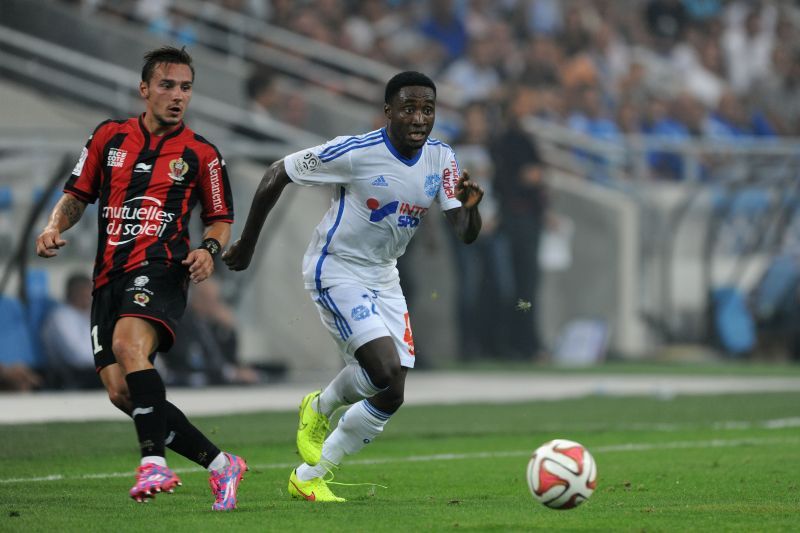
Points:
x=654 y=118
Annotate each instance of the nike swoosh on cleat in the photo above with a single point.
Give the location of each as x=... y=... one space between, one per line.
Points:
x=310 y=497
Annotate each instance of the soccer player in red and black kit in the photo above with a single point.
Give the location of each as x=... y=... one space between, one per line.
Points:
x=148 y=173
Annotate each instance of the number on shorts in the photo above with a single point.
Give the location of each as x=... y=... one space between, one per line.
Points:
x=408 y=338
x=95 y=340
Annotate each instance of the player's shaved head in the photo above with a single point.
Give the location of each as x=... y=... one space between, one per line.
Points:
x=409 y=78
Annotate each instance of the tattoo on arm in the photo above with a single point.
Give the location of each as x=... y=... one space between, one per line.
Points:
x=72 y=210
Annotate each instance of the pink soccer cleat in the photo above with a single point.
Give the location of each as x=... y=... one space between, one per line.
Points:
x=224 y=484
x=152 y=479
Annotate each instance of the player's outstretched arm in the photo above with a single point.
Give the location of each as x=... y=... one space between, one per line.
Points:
x=65 y=214
x=238 y=256
x=466 y=220
x=201 y=260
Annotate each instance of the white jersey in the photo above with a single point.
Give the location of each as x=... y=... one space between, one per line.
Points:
x=379 y=199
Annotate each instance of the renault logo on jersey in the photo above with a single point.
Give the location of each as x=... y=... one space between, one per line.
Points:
x=178 y=169
x=378 y=212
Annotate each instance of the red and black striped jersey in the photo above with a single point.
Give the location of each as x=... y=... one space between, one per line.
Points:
x=147 y=187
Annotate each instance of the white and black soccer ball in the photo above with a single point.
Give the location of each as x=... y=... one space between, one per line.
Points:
x=561 y=474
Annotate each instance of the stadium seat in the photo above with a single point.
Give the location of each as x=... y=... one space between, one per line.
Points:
x=16 y=341
x=6 y=198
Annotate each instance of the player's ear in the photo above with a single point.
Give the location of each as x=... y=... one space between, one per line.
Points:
x=387 y=111
x=144 y=91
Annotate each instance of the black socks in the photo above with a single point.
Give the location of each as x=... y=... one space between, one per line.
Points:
x=148 y=398
x=183 y=438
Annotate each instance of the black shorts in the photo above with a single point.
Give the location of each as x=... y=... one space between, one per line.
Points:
x=156 y=293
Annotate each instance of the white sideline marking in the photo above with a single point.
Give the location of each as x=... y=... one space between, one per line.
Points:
x=629 y=447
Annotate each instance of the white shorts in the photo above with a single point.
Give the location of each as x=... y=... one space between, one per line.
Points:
x=355 y=315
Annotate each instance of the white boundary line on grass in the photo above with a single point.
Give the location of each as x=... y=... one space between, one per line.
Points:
x=629 y=447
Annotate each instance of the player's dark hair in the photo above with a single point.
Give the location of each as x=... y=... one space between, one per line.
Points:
x=165 y=54
x=409 y=78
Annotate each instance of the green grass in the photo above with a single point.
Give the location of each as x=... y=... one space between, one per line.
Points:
x=704 y=368
x=684 y=464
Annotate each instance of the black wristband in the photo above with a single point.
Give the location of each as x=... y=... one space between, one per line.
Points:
x=212 y=246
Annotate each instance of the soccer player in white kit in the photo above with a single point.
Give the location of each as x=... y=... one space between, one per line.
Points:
x=384 y=183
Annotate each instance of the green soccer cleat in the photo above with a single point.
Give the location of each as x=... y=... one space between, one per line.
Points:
x=315 y=490
x=311 y=431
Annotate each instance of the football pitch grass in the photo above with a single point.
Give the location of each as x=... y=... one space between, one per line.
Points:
x=689 y=463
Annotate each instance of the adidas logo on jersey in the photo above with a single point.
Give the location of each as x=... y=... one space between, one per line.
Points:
x=380 y=181
x=142 y=167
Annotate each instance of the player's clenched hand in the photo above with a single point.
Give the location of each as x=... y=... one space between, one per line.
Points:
x=200 y=263
x=238 y=256
x=468 y=192
x=48 y=242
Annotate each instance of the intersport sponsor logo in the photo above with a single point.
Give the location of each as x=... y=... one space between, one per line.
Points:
x=126 y=223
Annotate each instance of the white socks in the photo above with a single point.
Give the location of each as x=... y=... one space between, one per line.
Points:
x=349 y=386
x=219 y=462
x=157 y=459
x=357 y=427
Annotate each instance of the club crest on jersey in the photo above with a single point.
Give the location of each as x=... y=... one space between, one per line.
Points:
x=432 y=182
x=178 y=169
x=378 y=212
x=141 y=281
x=380 y=181
x=359 y=312
x=141 y=299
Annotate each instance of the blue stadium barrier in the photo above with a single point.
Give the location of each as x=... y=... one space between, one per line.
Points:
x=16 y=342
x=6 y=197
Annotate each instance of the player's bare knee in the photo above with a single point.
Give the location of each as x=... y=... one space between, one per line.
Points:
x=128 y=351
x=384 y=373
x=393 y=401
x=121 y=399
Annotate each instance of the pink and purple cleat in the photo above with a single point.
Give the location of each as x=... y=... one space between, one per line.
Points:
x=225 y=483
x=152 y=479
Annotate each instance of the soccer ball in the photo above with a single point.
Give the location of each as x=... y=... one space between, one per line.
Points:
x=561 y=474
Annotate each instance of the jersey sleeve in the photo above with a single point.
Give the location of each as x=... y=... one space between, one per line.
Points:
x=325 y=164
x=450 y=174
x=216 y=197
x=84 y=182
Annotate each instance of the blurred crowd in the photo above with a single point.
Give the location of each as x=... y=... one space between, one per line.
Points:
x=724 y=70
x=680 y=68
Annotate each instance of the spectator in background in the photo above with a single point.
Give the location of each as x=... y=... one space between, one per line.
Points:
x=574 y=37
x=445 y=28
x=778 y=94
x=485 y=296
x=520 y=191
x=542 y=59
x=667 y=21
x=206 y=348
x=475 y=74
x=747 y=42
x=732 y=120
x=18 y=378
x=264 y=98
x=67 y=346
